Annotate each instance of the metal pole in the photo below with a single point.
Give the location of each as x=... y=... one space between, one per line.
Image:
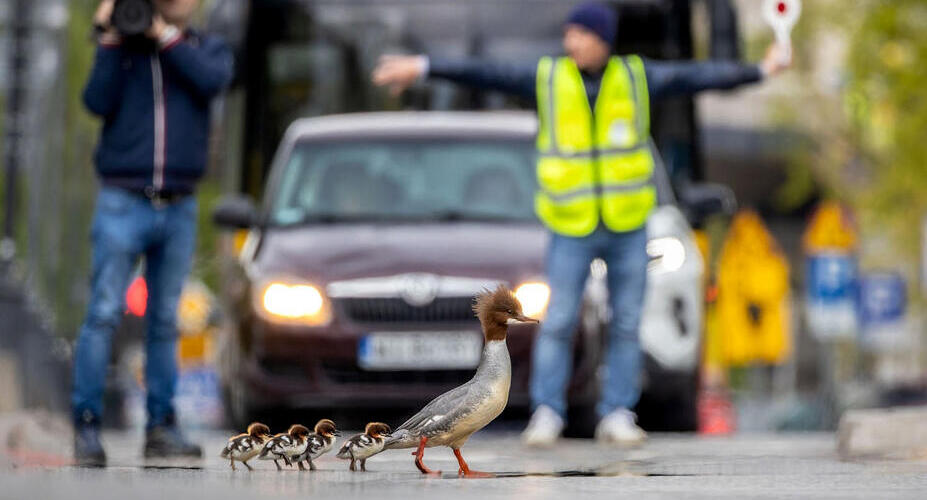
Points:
x=19 y=29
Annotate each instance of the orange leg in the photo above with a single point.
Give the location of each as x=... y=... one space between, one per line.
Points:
x=419 y=453
x=465 y=470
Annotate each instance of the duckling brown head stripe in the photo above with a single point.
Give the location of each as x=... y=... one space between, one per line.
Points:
x=376 y=429
x=298 y=431
x=258 y=429
x=325 y=427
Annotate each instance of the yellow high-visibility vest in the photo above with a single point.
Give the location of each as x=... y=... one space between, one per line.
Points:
x=593 y=164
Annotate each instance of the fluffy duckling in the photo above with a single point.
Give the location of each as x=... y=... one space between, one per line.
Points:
x=244 y=447
x=299 y=436
x=362 y=446
x=452 y=417
x=275 y=449
x=319 y=442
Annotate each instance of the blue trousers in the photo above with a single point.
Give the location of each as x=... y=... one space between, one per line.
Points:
x=568 y=261
x=125 y=227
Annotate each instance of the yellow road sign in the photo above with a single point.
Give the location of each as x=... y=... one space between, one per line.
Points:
x=753 y=294
x=831 y=228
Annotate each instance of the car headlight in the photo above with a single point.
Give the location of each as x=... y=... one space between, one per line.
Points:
x=533 y=297
x=292 y=302
x=666 y=254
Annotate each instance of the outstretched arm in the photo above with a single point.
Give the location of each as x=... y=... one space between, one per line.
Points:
x=400 y=72
x=669 y=78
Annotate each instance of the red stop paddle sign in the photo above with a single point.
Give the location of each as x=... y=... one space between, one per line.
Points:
x=782 y=15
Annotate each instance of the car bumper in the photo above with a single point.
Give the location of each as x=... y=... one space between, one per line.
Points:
x=318 y=367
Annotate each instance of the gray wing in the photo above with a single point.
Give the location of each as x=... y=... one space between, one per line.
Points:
x=357 y=441
x=439 y=412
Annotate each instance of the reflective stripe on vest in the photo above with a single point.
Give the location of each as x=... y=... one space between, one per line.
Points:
x=593 y=164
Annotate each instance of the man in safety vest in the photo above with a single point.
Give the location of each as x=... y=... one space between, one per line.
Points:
x=595 y=170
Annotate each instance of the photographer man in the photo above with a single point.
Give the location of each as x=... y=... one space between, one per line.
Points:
x=153 y=93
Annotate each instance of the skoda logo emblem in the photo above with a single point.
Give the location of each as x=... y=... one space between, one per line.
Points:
x=419 y=289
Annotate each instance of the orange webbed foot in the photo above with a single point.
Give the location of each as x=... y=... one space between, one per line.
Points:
x=419 y=453
x=464 y=470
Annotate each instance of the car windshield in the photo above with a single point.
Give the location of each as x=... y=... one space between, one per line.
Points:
x=424 y=179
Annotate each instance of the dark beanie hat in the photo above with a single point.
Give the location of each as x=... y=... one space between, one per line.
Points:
x=597 y=18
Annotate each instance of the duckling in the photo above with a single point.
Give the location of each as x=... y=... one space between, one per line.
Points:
x=452 y=417
x=319 y=442
x=363 y=446
x=275 y=449
x=244 y=447
x=299 y=436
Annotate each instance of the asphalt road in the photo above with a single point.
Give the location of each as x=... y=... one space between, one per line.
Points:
x=668 y=466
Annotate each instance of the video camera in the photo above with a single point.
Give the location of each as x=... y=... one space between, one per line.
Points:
x=132 y=17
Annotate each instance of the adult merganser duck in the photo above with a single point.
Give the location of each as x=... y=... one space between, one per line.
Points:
x=452 y=417
x=318 y=442
x=363 y=446
x=244 y=447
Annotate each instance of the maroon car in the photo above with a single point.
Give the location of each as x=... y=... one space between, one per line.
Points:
x=355 y=283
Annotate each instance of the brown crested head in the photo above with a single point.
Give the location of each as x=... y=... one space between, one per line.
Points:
x=258 y=430
x=377 y=429
x=326 y=427
x=495 y=309
x=298 y=431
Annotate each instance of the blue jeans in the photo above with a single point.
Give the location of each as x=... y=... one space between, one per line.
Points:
x=125 y=227
x=568 y=262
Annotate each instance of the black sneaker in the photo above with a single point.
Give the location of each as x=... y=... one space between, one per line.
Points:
x=87 y=448
x=166 y=441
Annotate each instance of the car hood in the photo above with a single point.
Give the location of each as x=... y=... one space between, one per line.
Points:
x=324 y=253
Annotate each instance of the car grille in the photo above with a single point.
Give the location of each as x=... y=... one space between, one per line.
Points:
x=397 y=310
x=351 y=374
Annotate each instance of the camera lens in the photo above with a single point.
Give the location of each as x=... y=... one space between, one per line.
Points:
x=132 y=17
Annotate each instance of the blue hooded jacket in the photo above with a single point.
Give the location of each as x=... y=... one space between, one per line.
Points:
x=155 y=108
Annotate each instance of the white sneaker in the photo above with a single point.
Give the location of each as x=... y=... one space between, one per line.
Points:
x=544 y=428
x=619 y=427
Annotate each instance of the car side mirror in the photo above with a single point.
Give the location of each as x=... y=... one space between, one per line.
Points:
x=703 y=199
x=235 y=212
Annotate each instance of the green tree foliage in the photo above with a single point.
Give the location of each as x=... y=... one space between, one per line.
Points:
x=886 y=105
x=866 y=122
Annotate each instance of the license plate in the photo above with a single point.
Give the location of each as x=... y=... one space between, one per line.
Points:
x=419 y=350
